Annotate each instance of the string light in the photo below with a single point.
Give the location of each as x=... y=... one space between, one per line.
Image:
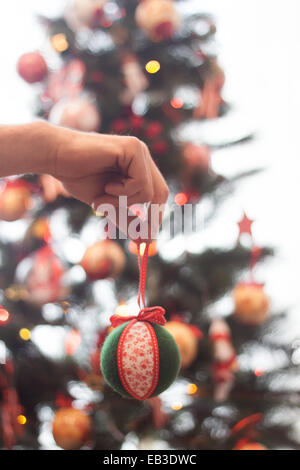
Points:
x=177 y=406
x=4 y=315
x=153 y=66
x=25 y=334
x=176 y=103
x=59 y=42
x=191 y=389
x=21 y=419
x=181 y=199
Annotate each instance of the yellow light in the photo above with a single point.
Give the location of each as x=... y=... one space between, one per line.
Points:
x=177 y=406
x=59 y=42
x=191 y=389
x=21 y=419
x=142 y=248
x=24 y=334
x=122 y=310
x=152 y=66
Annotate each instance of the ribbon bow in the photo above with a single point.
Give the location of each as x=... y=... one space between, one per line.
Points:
x=152 y=314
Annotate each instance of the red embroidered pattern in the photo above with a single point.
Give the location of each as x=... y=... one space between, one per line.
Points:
x=138 y=359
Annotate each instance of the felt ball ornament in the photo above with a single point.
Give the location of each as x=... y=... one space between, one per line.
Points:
x=15 y=199
x=32 y=67
x=139 y=358
x=158 y=19
x=103 y=259
x=71 y=428
x=185 y=339
x=251 y=304
x=77 y=113
x=84 y=13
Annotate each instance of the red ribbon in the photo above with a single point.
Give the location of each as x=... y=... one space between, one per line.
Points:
x=151 y=314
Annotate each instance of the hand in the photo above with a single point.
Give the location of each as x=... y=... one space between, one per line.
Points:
x=97 y=169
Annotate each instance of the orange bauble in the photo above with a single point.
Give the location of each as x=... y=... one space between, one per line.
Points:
x=103 y=259
x=157 y=18
x=71 y=428
x=185 y=339
x=251 y=304
x=15 y=199
x=252 y=446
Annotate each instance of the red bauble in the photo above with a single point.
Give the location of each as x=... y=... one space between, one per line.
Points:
x=32 y=67
x=104 y=259
x=71 y=428
x=153 y=130
x=157 y=18
x=15 y=199
x=160 y=147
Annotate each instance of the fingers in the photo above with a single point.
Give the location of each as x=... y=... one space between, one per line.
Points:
x=143 y=183
x=134 y=164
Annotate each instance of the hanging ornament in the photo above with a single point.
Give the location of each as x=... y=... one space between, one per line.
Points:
x=186 y=340
x=224 y=359
x=250 y=446
x=84 y=13
x=158 y=19
x=67 y=82
x=71 y=428
x=251 y=303
x=32 y=67
x=44 y=280
x=12 y=418
x=210 y=99
x=103 y=259
x=134 y=79
x=15 y=200
x=76 y=113
x=139 y=357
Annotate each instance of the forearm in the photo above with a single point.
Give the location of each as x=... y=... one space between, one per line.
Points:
x=27 y=148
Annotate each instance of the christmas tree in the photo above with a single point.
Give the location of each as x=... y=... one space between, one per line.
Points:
x=149 y=69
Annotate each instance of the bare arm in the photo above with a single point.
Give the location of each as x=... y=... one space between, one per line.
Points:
x=94 y=168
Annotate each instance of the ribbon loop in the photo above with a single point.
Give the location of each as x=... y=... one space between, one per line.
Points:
x=151 y=314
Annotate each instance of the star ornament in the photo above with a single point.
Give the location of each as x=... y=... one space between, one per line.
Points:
x=245 y=226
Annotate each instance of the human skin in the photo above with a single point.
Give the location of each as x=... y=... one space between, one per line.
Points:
x=94 y=168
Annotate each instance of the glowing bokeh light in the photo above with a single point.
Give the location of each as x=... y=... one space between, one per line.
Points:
x=153 y=66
